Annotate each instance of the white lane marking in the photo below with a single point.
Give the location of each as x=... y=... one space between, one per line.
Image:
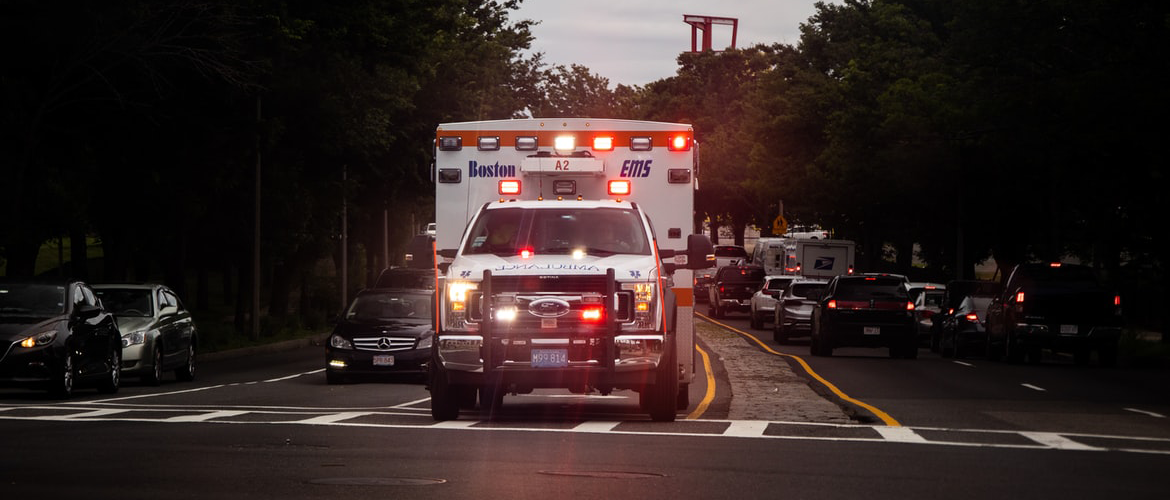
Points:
x=412 y=403
x=746 y=428
x=205 y=416
x=900 y=434
x=454 y=424
x=1034 y=388
x=96 y=413
x=295 y=375
x=964 y=363
x=1144 y=412
x=153 y=394
x=597 y=426
x=335 y=417
x=1057 y=441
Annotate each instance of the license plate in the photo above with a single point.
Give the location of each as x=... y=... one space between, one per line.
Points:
x=383 y=360
x=1068 y=329
x=550 y=358
x=548 y=322
x=871 y=330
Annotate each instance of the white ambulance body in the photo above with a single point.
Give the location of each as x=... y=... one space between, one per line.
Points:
x=568 y=249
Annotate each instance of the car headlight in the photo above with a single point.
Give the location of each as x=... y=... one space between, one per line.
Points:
x=457 y=292
x=426 y=342
x=339 y=342
x=133 y=338
x=40 y=339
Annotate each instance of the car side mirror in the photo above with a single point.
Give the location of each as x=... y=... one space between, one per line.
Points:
x=698 y=248
x=448 y=253
x=88 y=311
x=168 y=310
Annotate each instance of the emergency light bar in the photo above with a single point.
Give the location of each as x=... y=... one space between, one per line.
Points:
x=679 y=143
x=488 y=144
x=641 y=144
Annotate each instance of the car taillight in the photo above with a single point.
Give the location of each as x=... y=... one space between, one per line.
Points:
x=1116 y=300
x=971 y=317
x=832 y=304
x=1019 y=297
x=909 y=306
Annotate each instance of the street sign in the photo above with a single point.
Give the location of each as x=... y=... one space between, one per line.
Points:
x=779 y=225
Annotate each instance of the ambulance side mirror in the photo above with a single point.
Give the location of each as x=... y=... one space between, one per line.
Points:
x=448 y=253
x=698 y=247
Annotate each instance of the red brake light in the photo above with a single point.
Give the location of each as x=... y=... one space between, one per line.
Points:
x=971 y=317
x=1019 y=297
x=510 y=186
x=619 y=188
x=1054 y=264
x=603 y=143
x=832 y=304
x=1116 y=300
x=909 y=306
x=679 y=143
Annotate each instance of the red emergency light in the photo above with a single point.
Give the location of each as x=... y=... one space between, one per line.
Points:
x=619 y=188
x=510 y=186
x=679 y=143
x=592 y=314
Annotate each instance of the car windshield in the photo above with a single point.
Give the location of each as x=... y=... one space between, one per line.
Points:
x=802 y=290
x=933 y=298
x=569 y=231
x=32 y=300
x=127 y=302
x=870 y=288
x=381 y=306
x=730 y=251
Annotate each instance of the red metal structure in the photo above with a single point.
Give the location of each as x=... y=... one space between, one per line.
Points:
x=705 y=23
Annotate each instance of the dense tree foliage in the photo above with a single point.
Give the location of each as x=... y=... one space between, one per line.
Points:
x=967 y=129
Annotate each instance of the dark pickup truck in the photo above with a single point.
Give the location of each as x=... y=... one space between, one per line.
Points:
x=732 y=288
x=1058 y=306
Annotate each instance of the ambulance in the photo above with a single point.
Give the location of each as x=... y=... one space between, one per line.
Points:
x=565 y=258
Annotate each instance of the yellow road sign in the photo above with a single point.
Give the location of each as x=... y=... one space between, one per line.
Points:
x=779 y=225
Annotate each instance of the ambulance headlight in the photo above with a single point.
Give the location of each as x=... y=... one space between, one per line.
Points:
x=457 y=293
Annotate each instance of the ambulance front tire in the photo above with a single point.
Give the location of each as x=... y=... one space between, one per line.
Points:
x=662 y=398
x=444 y=397
x=684 y=397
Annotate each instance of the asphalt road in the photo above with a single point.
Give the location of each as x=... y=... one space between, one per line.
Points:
x=267 y=426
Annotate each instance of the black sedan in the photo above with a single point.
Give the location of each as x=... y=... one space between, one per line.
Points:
x=57 y=336
x=382 y=331
x=865 y=310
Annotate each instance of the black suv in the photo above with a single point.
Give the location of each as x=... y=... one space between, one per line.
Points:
x=865 y=310
x=1058 y=306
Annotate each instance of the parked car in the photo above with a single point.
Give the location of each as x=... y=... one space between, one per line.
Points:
x=1057 y=306
x=732 y=289
x=928 y=299
x=56 y=335
x=763 y=302
x=865 y=310
x=793 y=314
x=158 y=332
x=382 y=331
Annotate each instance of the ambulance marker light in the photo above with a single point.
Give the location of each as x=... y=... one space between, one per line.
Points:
x=527 y=253
x=619 y=188
x=509 y=186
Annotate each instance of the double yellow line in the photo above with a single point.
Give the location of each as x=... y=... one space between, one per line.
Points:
x=710 y=395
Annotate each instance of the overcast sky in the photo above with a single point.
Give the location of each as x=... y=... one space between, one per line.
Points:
x=635 y=42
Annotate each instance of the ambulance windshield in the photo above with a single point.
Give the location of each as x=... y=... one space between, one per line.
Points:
x=598 y=232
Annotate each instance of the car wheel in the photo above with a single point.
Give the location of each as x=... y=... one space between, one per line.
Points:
x=757 y=323
x=1013 y=351
x=333 y=378
x=778 y=333
x=186 y=373
x=711 y=308
x=114 y=365
x=491 y=398
x=946 y=345
x=957 y=348
x=720 y=311
x=63 y=386
x=154 y=377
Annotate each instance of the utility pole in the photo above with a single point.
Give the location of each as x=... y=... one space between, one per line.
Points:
x=255 y=335
x=344 y=240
